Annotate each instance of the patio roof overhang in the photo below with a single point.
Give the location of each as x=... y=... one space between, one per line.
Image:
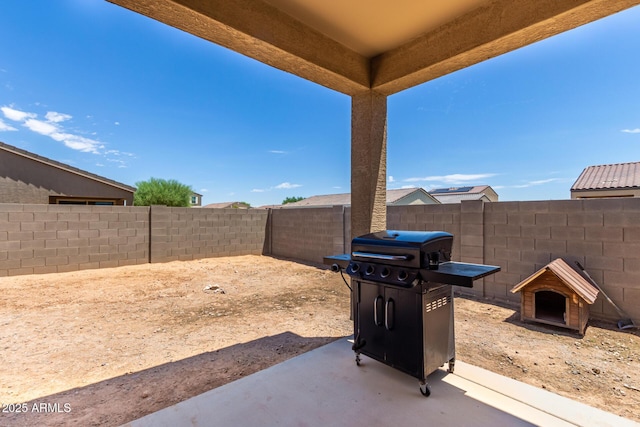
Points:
x=369 y=49
x=358 y=45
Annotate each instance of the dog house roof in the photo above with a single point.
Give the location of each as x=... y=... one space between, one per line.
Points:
x=567 y=275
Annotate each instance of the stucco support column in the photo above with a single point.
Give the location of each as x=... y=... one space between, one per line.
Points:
x=368 y=163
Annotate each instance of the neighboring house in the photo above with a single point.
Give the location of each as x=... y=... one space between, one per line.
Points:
x=616 y=180
x=196 y=200
x=458 y=194
x=226 y=205
x=32 y=179
x=403 y=196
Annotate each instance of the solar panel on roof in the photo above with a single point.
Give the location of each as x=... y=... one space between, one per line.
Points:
x=451 y=190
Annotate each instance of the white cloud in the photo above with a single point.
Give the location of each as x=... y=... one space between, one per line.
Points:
x=534 y=183
x=287 y=185
x=283 y=186
x=117 y=123
x=456 y=178
x=43 y=128
x=544 y=181
x=74 y=142
x=52 y=128
x=16 y=115
x=54 y=117
x=118 y=153
x=5 y=127
x=390 y=179
x=636 y=130
x=121 y=163
x=79 y=143
x=277 y=152
x=204 y=190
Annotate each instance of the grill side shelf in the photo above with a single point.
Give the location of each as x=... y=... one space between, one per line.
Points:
x=341 y=260
x=458 y=273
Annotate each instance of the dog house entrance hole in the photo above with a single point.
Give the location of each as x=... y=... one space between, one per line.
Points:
x=551 y=306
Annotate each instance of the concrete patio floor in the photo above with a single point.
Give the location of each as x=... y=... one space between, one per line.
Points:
x=324 y=387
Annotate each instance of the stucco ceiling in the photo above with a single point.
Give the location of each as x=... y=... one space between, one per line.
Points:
x=354 y=46
x=371 y=27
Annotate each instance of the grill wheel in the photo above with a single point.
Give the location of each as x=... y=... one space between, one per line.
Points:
x=425 y=389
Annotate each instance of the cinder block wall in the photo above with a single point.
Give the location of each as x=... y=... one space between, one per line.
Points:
x=428 y=218
x=40 y=238
x=520 y=237
x=307 y=234
x=190 y=233
x=602 y=234
x=57 y=238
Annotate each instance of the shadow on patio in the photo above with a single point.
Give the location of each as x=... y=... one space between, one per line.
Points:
x=161 y=386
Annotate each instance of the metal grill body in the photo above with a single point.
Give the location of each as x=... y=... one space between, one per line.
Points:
x=402 y=298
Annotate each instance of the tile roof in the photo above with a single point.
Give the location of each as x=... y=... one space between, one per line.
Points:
x=224 y=205
x=65 y=167
x=568 y=275
x=619 y=175
x=393 y=196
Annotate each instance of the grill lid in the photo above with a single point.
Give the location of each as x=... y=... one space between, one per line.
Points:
x=416 y=249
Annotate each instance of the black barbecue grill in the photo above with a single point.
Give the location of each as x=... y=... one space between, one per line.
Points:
x=403 y=299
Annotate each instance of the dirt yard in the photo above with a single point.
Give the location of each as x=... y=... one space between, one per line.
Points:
x=103 y=347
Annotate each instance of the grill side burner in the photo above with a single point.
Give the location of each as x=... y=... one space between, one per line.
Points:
x=402 y=298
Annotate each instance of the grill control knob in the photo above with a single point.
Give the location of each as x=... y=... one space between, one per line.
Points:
x=403 y=275
x=369 y=271
x=355 y=267
x=385 y=272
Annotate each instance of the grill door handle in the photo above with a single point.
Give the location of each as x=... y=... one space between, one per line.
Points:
x=389 y=313
x=383 y=257
x=377 y=305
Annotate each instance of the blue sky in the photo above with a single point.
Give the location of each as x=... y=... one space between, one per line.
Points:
x=90 y=84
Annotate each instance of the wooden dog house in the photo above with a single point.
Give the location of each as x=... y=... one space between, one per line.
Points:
x=556 y=295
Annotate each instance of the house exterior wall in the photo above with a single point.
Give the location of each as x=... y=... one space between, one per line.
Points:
x=603 y=193
x=195 y=200
x=491 y=194
x=23 y=180
x=415 y=198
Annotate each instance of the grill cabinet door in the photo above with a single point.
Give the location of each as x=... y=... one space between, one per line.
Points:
x=370 y=321
x=390 y=324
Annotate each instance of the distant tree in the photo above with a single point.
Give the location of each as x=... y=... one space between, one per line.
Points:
x=157 y=191
x=292 y=200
